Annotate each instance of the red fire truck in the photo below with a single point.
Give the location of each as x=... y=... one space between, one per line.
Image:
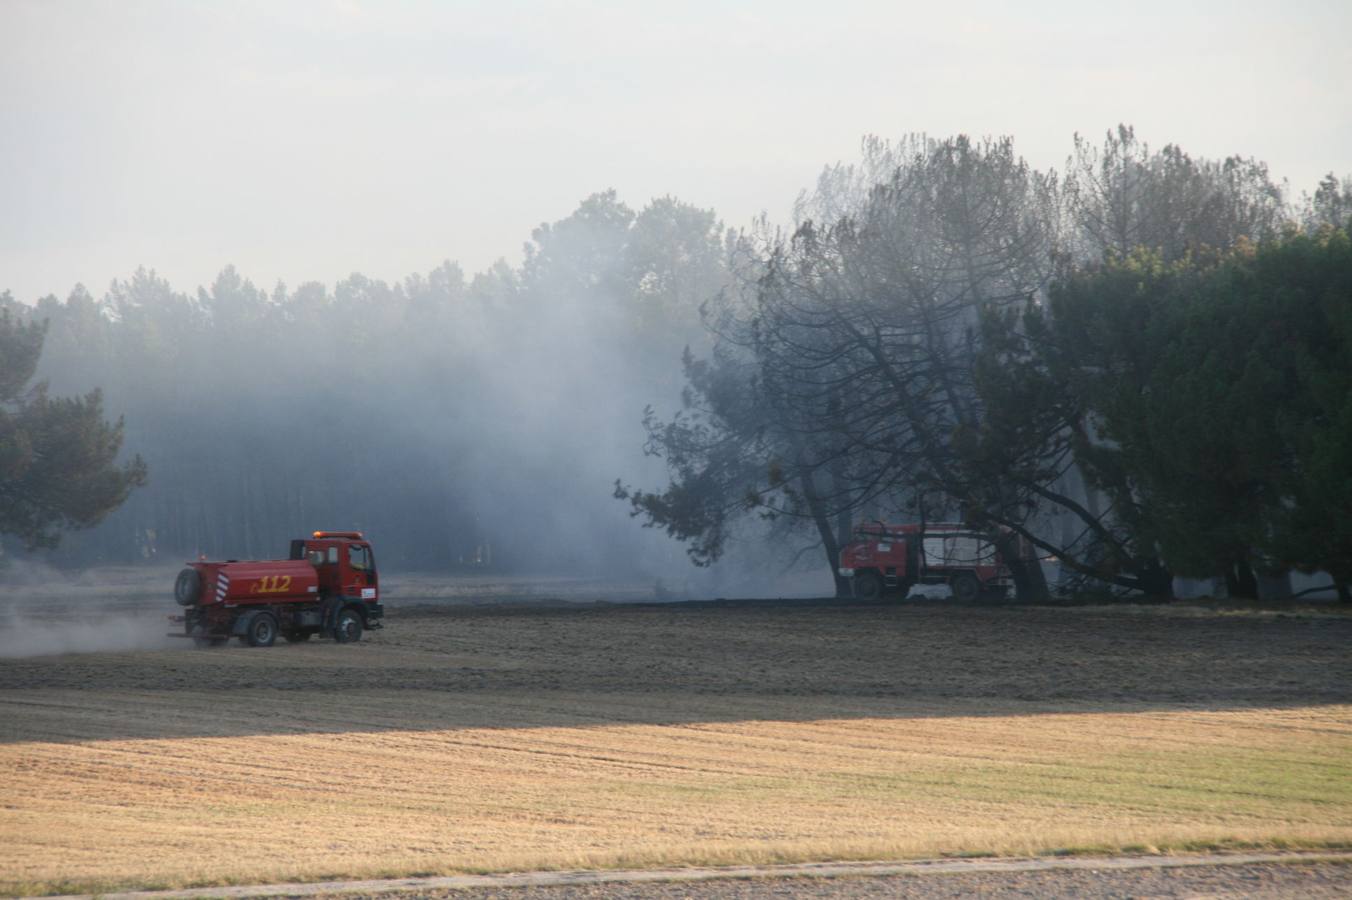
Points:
x=885 y=559
x=329 y=587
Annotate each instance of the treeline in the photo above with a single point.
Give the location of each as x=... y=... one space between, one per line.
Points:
x=458 y=420
x=1138 y=364
x=1140 y=367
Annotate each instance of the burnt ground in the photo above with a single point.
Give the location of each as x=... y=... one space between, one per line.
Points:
x=796 y=659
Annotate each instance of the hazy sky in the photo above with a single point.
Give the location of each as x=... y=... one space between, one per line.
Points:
x=310 y=140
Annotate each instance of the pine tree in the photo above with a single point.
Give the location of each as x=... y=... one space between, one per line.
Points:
x=58 y=468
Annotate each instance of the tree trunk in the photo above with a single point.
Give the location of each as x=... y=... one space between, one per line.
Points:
x=1157 y=581
x=825 y=529
x=1239 y=578
x=844 y=527
x=1030 y=582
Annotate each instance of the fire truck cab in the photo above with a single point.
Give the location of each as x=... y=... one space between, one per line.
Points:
x=344 y=562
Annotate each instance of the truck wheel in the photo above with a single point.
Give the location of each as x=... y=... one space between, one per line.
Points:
x=262 y=631
x=965 y=586
x=187 y=587
x=868 y=586
x=347 y=630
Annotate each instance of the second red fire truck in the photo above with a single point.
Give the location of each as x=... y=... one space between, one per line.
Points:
x=891 y=559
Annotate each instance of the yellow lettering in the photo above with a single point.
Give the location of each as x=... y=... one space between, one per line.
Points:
x=272 y=584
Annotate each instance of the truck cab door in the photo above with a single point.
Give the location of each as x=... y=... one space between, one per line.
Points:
x=361 y=581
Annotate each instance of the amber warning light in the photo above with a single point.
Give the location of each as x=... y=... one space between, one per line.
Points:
x=353 y=535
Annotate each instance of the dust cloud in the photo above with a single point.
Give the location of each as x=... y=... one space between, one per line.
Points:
x=24 y=636
x=45 y=611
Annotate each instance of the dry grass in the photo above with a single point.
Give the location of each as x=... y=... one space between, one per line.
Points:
x=200 y=810
x=483 y=741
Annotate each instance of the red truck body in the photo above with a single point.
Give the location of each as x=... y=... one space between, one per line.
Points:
x=265 y=582
x=885 y=558
x=329 y=587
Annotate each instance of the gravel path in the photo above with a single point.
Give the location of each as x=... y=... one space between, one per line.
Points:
x=1267 y=881
x=1312 y=875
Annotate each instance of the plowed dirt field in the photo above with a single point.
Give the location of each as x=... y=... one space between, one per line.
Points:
x=472 y=738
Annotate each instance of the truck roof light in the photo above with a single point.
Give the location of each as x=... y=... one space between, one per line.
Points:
x=351 y=535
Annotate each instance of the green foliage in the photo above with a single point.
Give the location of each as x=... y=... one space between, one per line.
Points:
x=1032 y=449
x=1307 y=285
x=720 y=458
x=1214 y=396
x=58 y=456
